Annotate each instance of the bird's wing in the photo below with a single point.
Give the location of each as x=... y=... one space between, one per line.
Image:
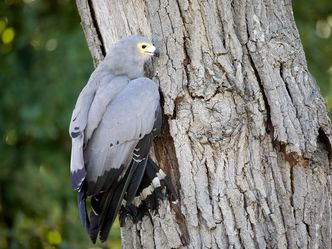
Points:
x=115 y=150
x=76 y=130
x=140 y=155
x=88 y=112
x=128 y=118
x=79 y=116
x=109 y=87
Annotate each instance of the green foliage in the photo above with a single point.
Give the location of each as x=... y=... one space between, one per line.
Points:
x=44 y=63
x=314 y=20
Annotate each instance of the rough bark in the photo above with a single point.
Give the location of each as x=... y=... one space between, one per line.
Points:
x=246 y=137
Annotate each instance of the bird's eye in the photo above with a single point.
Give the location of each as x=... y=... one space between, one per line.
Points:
x=144 y=46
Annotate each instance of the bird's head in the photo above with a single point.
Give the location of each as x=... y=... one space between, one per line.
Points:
x=128 y=55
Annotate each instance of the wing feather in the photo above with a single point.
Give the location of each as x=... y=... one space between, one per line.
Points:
x=89 y=109
x=108 y=89
x=117 y=122
x=76 y=128
x=80 y=113
x=128 y=117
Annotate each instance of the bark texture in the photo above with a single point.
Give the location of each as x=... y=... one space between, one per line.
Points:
x=246 y=137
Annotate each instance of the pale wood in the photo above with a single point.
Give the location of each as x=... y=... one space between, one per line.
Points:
x=246 y=137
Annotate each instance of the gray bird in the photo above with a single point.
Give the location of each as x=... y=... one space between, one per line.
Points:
x=116 y=116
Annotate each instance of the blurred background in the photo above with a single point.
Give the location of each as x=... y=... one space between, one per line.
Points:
x=44 y=63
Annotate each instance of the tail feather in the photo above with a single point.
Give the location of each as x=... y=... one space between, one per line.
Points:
x=143 y=186
x=94 y=228
x=154 y=187
x=113 y=203
x=106 y=205
x=136 y=181
x=81 y=203
x=96 y=210
x=141 y=157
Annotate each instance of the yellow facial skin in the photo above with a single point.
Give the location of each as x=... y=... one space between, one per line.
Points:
x=146 y=48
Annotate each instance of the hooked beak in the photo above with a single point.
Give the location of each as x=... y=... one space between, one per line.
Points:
x=152 y=51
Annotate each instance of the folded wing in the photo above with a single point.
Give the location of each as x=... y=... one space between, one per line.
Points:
x=89 y=110
x=117 y=145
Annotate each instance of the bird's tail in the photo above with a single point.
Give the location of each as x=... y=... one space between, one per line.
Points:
x=149 y=184
x=154 y=187
x=106 y=205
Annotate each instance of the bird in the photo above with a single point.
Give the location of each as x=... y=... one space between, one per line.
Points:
x=115 y=118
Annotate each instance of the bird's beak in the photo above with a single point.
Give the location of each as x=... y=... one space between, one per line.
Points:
x=152 y=51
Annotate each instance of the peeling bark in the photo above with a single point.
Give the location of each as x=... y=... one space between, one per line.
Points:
x=246 y=137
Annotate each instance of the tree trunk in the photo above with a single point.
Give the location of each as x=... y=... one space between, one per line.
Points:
x=246 y=138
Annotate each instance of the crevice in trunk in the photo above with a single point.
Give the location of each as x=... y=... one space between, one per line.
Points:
x=166 y=156
x=269 y=126
x=286 y=84
x=323 y=137
x=96 y=26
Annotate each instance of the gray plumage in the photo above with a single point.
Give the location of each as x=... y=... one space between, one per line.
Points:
x=116 y=116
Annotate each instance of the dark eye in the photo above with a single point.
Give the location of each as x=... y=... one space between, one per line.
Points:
x=144 y=46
